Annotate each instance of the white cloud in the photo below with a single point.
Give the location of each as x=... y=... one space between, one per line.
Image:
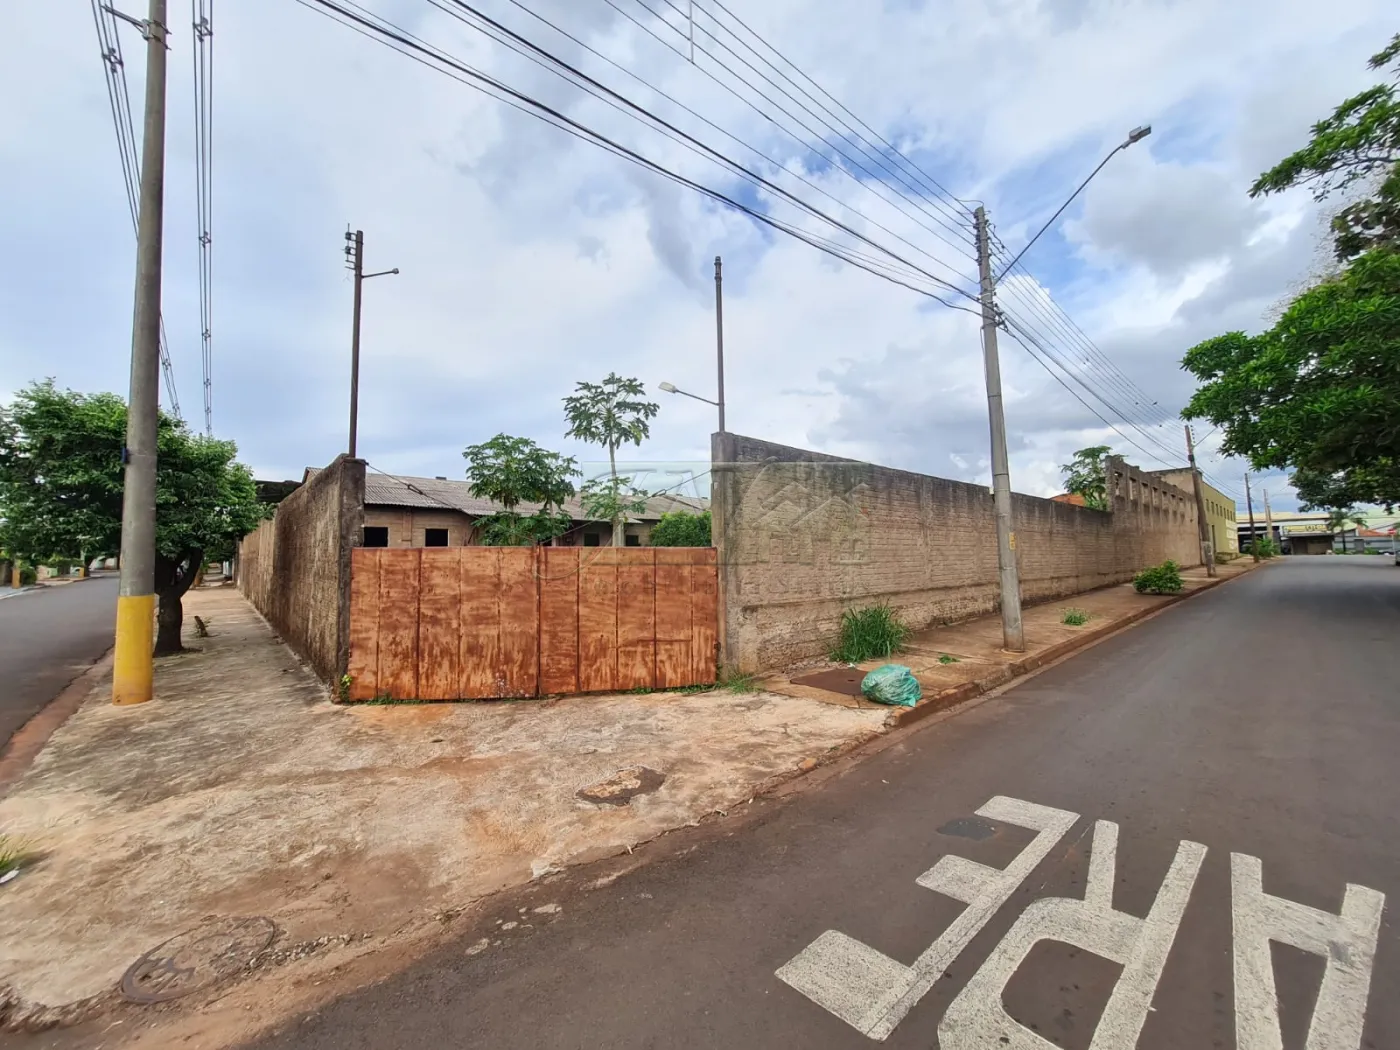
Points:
x=530 y=260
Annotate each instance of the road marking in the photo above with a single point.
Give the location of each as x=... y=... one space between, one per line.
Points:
x=1347 y=941
x=977 y=1020
x=872 y=992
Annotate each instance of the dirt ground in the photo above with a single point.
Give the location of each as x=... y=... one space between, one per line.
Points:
x=242 y=791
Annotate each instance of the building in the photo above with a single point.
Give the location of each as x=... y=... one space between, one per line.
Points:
x=436 y=512
x=1220 y=509
x=1312 y=532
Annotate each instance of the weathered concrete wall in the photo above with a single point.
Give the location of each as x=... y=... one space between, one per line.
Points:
x=295 y=568
x=803 y=536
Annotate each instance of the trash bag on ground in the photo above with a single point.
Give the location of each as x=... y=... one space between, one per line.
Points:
x=892 y=684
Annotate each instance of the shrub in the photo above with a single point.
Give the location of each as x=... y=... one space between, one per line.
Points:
x=678 y=528
x=1266 y=547
x=60 y=566
x=1160 y=579
x=874 y=631
x=28 y=575
x=1075 y=617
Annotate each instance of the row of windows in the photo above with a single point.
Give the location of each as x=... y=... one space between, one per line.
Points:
x=378 y=536
x=1220 y=510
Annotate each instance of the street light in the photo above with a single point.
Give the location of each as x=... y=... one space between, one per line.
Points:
x=685 y=393
x=1136 y=135
x=1012 y=630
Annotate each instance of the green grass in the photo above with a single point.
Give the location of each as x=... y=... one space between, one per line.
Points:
x=868 y=634
x=704 y=687
x=945 y=658
x=1075 y=617
x=739 y=683
x=13 y=853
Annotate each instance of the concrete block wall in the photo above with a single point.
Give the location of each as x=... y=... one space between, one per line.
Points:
x=407 y=525
x=295 y=568
x=803 y=537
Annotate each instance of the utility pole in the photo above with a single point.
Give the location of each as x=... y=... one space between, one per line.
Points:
x=1013 y=635
x=133 y=666
x=719 y=339
x=1268 y=518
x=1202 y=526
x=355 y=255
x=1249 y=504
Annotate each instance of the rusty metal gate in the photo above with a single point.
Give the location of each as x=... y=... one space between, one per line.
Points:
x=467 y=623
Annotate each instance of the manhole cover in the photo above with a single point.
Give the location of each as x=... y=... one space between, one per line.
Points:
x=196 y=959
x=623 y=786
x=843 y=680
x=969 y=828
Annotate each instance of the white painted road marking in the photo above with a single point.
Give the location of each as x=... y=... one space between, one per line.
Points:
x=872 y=992
x=1346 y=941
x=977 y=1020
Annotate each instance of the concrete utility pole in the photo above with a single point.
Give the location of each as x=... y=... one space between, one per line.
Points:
x=719 y=339
x=355 y=253
x=1249 y=504
x=1013 y=635
x=133 y=667
x=1202 y=526
x=1268 y=517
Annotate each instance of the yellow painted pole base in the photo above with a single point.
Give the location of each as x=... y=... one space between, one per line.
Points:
x=133 y=666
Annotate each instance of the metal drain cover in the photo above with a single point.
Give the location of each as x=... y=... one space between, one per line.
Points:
x=196 y=959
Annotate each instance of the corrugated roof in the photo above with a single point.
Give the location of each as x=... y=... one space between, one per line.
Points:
x=385 y=490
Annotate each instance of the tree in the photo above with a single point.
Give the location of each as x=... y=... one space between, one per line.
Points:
x=1340 y=518
x=1084 y=476
x=1358 y=143
x=516 y=472
x=61 y=479
x=611 y=413
x=1318 y=391
x=680 y=528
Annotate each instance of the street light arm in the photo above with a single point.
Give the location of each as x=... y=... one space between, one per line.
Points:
x=1133 y=136
x=381 y=273
x=677 y=390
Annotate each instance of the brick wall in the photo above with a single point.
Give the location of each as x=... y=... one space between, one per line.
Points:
x=295 y=568
x=803 y=536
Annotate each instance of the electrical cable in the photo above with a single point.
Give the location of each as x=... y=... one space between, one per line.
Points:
x=202 y=19
x=403 y=42
x=119 y=100
x=516 y=42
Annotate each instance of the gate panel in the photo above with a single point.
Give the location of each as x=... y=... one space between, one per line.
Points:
x=559 y=568
x=673 y=617
x=597 y=620
x=398 y=624
x=363 y=666
x=439 y=622
x=636 y=618
x=704 y=615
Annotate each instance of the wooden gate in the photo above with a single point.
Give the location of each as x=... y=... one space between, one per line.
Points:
x=468 y=623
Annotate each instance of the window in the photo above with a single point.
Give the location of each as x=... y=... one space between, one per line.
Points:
x=435 y=537
x=376 y=536
x=634 y=541
x=592 y=539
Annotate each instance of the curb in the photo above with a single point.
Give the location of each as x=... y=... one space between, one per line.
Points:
x=954 y=695
x=29 y=739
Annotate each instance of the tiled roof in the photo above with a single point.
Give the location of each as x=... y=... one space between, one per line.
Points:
x=385 y=490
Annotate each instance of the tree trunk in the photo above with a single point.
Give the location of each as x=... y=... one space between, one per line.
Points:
x=619 y=523
x=173 y=578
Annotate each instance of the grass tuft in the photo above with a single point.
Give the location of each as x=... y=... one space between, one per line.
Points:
x=14 y=853
x=945 y=658
x=739 y=683
x=1075 y=617
x=868 y=634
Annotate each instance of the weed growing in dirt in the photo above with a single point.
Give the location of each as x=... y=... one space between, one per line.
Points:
x=1160 y=579
x=702 y=688
x=944 y=658
x=739 y=683
x=13 y=853
x=869 y=633
x=1075 y=617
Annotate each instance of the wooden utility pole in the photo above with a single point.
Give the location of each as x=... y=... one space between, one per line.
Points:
x=1249 y=505
x=1268 y=518
x=1202 y=526
x=133 y=661
x=1013 y=633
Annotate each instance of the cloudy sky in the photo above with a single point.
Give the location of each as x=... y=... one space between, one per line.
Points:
x=531 y=260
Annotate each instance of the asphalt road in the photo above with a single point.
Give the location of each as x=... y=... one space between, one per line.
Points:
x=48 y=637
x=1238 y=750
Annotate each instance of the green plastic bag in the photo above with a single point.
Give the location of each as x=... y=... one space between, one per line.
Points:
x=892 y=684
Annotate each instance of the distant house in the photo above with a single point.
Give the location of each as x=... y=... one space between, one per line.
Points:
x=1073 y=498
x=435 y=512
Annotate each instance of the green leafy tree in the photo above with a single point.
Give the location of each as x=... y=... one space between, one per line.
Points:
x=529 y=482
x=1318 y=391
x=1359 y=142
x=1343 y=517
x=611 y=414
x=1085 y=476
x=61 y=478
x=680 y=528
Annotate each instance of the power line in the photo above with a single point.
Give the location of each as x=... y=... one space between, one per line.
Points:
x=728 y=134
x=202 y=17
x=381 y=30
x=563 y=69
x=119 y=100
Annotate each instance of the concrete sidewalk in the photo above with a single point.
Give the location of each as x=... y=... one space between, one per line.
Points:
x=243 y=791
